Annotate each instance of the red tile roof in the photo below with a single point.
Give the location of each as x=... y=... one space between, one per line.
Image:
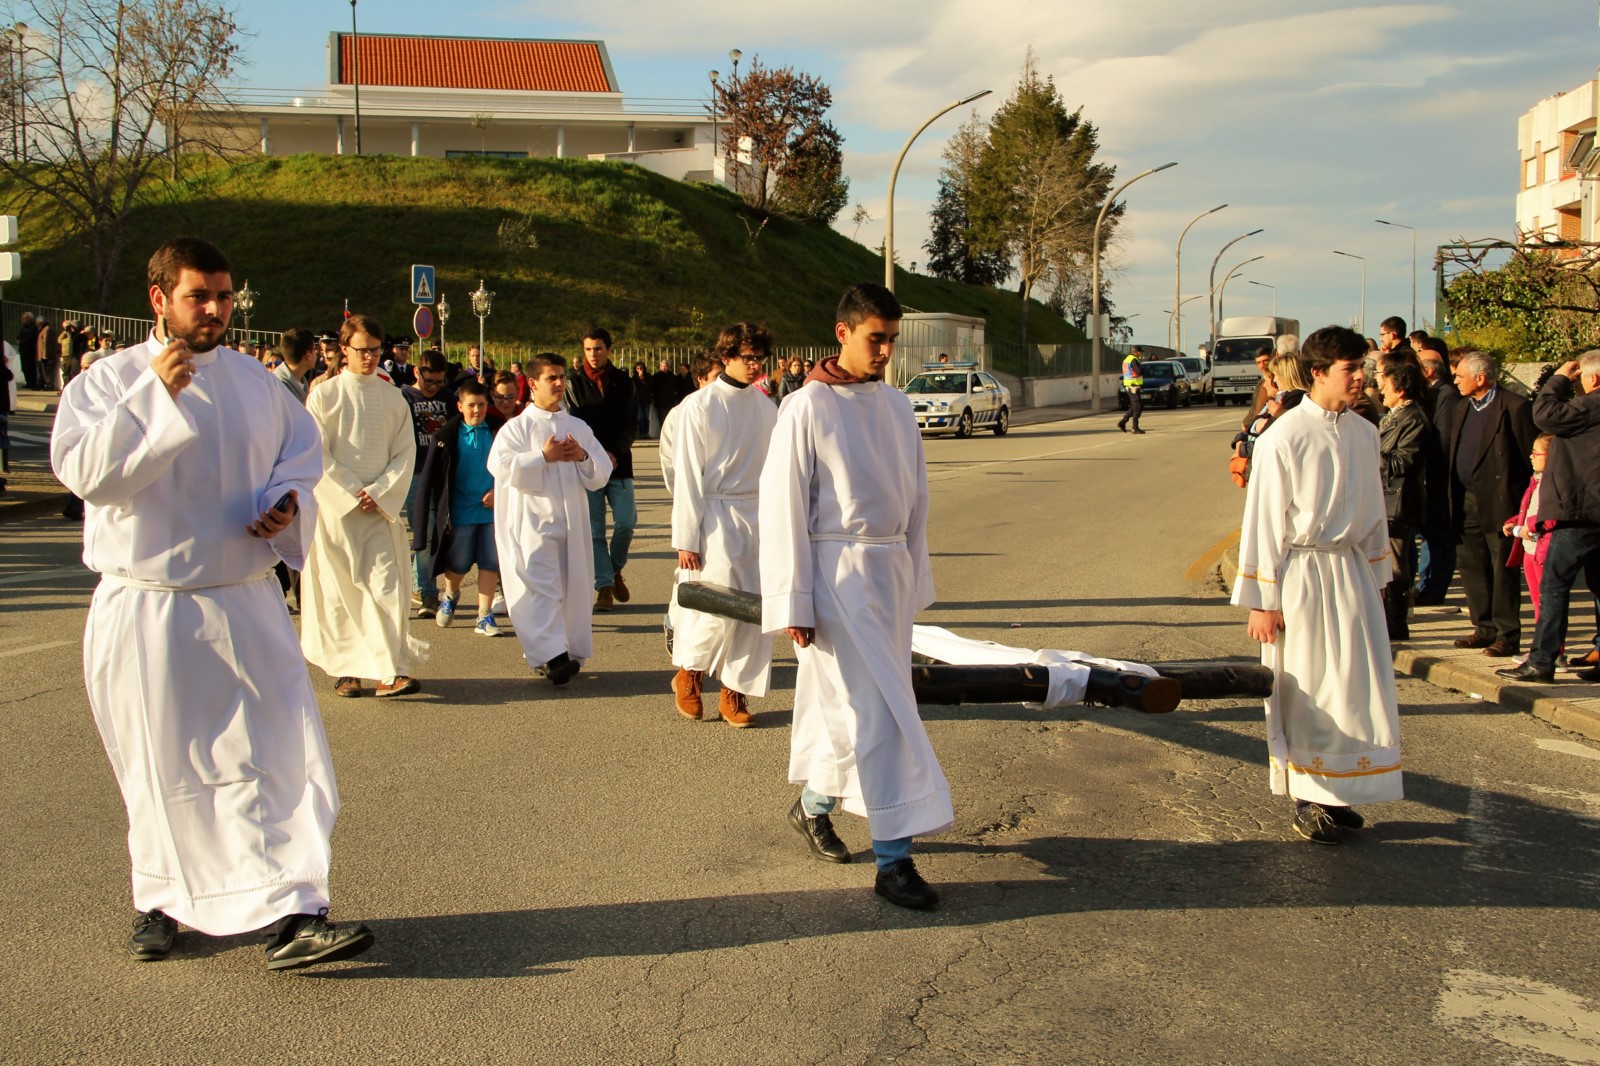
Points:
x=472 y=63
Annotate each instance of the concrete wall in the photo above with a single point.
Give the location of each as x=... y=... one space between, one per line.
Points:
x=1051 y=392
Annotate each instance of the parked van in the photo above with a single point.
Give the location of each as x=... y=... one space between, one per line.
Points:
x=1233 y=356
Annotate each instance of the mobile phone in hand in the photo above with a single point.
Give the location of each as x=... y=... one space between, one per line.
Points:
x=284 y=502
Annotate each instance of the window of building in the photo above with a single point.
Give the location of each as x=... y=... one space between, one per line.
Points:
x=1530 y=172
x=473 y=153
x=1552 y=165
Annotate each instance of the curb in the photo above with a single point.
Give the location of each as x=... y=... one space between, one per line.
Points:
x=1477 y=682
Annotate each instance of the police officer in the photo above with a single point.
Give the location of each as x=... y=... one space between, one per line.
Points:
x=1133 y=384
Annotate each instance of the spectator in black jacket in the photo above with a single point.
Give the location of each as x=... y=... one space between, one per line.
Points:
x=664 y=393
x=1489 y=469
x=28 y=350
x=1437 y=562
x=599 y=392
x=1569 y=495
x=1406 y=446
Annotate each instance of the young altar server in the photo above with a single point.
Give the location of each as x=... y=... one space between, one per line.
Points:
x=720 y=445
x=1313 y=557
x=844 y=570
x=355 y=618
x=545 y=461
x=197 y=471
x=704 y=370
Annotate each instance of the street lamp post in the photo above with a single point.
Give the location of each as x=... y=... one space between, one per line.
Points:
x=888 y=230
x=1413 y=229
x=1238 y=268
x=1094 y=369
x=481 y=299
x=1177 y=277
x=19 y=33
x=245 y=301
x=355 y=70
x=732 y=159
x=1363 y=259
x=714 y=75
x=1211 y=285
x=444 y=316
x=1179 y=314
x=1274 y=289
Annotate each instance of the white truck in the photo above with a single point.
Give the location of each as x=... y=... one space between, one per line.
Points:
x=1233 y=354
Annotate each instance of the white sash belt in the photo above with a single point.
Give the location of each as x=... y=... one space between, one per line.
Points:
x=852 y=538
x=151 y=586
x=731 y=495
x=1325 y=549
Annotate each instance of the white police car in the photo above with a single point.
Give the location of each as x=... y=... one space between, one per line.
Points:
x=959 y=398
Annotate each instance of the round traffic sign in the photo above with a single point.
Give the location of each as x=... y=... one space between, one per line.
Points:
x=422 y=322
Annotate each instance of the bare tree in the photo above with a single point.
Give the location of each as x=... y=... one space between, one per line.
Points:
x=107 y=84
x=774 y=116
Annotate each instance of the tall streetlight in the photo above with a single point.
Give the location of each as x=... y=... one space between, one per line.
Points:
x=1177 y=276
x=1211 y=284
x=1171 y=316
x=714 y=75
x=444 y=316
x=1235 y=272
x=1413 y=229
x=245 y=301
x=481 y=298
x=888 y=231
x=1363 y=259
x=1274 y=289
x=18 y=33
x=355 y=70
x=1094 y=256
x=733 y=118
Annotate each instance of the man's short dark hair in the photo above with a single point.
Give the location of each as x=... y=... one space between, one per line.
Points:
x=1332 y=344
x=599 y=334
x=505 y=377
x=1418 y=338
x=360 y=324
x=184 y=253
x=1136 y=350
x=706 y=365
x=433 y=362
x=741 y=335
x=544 y=359
x=295 y=343
x=1393 y=324
x=471 y=387
x=868 y=300
x=1434 y=344
x=1404 y=374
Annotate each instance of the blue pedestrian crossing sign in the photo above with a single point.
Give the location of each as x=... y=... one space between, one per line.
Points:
x=422 y=289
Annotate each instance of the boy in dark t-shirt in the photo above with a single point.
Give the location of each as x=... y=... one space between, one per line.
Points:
x=432 y=405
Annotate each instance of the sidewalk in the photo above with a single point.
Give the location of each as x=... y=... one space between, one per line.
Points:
x=1430 y=656
x=31 y=488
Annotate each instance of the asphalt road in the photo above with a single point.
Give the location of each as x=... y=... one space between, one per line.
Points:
x=582 y=876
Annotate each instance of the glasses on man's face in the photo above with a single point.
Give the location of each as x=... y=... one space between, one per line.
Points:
x=374 y=350
x=1537 y=455
x=501 y=397
x=747 y=357
x=431 y=382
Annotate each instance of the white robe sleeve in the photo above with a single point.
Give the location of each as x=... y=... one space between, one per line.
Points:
x=691 y=452
x=1374 y=529
x=594 y=471
x=917 y=533
x=299 y=467
x=390 y=488
x=107 y=448
x=339 y=487
x=1264 y=534
x=513 y=458
x=785 y=522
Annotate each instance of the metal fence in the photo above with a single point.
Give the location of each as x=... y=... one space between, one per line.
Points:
x=123 y=329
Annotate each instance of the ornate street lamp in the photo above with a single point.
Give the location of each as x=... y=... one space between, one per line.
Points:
x=481 y=299
x=245 y=301
x=355 y=70
x=444 y=316
x=733 y=115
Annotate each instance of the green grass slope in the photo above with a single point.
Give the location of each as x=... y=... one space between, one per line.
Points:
x=653 y=260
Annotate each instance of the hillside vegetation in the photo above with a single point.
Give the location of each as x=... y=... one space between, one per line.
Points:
x=564 y=244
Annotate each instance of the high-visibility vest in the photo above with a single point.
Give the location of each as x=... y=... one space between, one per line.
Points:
x=1132 y=372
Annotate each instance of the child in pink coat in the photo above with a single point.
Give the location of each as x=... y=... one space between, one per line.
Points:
x=1532 y=535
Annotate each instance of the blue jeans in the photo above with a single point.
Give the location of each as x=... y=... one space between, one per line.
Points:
x=421 y=561
x=1574 y=550
x=624 y=516
x=886 y=852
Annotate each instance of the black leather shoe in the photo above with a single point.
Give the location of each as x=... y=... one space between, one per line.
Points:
x=901 y=885
x=1527 y=672
x=1428 y=601
x=1345 y=817
x=153 y=936
x=1477 y=640
x=307 y=939
x=561 y=669
x=1588 y=658
x=820 y=837
x=1591 y=675
x=1316 y=824
x=1500 y=649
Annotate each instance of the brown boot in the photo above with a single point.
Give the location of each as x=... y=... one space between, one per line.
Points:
x=733 y=710
x=619 y=588
x=604 y=601
x=686 y=693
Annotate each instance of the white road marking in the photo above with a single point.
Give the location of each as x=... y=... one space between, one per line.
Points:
x=1569 y=747
x=47 y=575
x=1519 y=1013
x=1590 y=800
x=7 y=653
x=29 y=438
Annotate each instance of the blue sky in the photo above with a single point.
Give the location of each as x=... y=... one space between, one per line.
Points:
x=1309 y=118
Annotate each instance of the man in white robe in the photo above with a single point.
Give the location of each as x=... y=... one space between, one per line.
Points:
x=356 y=589
x=197 y=470
x=545 y=461
x=1313 y=561
x=844 y=570
x=723 y=434
x=704 y=370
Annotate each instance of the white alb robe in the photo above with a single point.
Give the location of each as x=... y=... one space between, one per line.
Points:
x=666 y=446
x=1315 y=545
x=722 y=441
x=355 y=594
x=541 y=530
x=844 y=508
x=193 y=670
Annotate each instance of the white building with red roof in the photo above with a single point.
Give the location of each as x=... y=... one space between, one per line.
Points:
x=471 y=96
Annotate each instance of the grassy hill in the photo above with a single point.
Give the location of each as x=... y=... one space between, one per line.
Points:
x=654 y=260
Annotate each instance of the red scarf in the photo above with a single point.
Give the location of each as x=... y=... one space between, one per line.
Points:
x=829 y=372
x=596 y=375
